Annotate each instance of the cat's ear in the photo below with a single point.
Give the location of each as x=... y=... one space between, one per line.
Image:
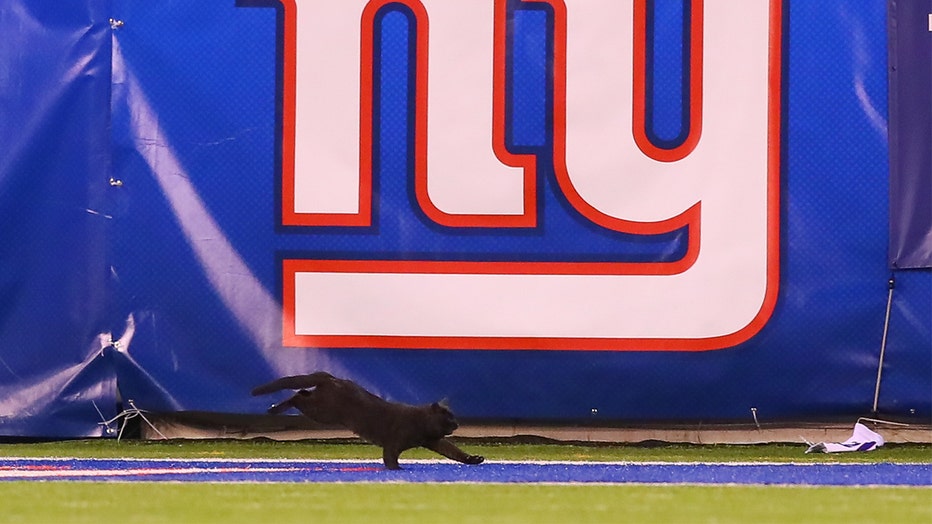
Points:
x=444 y=403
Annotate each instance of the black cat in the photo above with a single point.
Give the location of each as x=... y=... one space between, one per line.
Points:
x=393 y=426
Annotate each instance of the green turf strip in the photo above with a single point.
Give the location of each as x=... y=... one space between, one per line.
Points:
x=63 y=502
x=266 y=449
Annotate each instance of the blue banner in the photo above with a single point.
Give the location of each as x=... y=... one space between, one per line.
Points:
x=549 y=210
x=910 y=133
x=57 y=222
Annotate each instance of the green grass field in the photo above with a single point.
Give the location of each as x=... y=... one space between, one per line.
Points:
x=62 y=502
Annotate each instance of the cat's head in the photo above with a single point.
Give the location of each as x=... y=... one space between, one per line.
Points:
x=442 y=420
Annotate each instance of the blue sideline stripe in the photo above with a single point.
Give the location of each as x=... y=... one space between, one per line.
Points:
x=299 y=471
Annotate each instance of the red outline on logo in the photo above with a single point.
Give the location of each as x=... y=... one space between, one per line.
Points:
x=526 y=161
x=363 y=217
x=690 y=217
x=292 y=266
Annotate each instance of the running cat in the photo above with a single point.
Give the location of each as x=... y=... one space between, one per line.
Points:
x=393 y=426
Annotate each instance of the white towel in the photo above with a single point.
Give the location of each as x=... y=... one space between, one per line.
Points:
x=863 y=439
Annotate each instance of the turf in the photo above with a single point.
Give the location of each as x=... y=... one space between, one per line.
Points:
x=64 y=502
x=368 y=503
x=311 y=449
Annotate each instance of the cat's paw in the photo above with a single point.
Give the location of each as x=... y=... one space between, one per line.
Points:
x=474 y=459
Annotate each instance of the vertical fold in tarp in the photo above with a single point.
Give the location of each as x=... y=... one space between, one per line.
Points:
x=910 y=33
x=55 y=379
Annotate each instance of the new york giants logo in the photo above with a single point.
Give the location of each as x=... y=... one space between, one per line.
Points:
x=712 y=186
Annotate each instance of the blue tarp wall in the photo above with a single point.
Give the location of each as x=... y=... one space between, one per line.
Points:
x=162 y=239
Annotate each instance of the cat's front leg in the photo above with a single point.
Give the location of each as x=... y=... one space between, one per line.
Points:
x=449 y=450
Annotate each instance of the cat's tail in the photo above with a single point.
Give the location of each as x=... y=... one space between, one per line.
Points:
x=293 y=382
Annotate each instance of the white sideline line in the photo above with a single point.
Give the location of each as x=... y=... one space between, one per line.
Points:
x=312 y=461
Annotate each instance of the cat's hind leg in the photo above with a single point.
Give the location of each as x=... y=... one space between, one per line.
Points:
x=390 y=458
x=303 y=401
x=294 y=382
x=281 y=407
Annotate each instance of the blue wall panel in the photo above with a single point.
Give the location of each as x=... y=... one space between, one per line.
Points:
x=140 y=181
